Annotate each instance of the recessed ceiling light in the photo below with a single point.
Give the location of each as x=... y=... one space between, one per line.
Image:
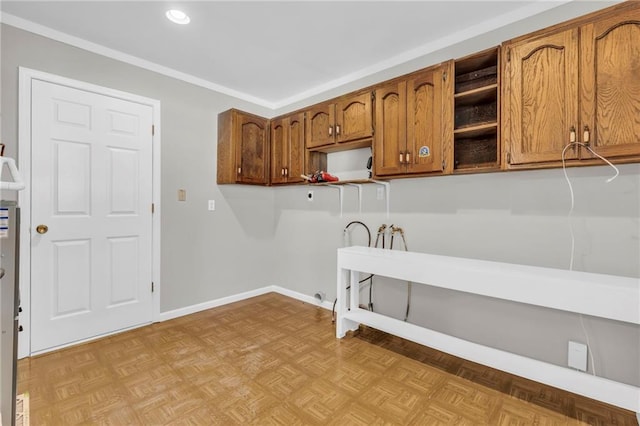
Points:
x=178 y=16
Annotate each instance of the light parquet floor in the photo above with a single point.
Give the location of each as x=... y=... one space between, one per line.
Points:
x=272 y=360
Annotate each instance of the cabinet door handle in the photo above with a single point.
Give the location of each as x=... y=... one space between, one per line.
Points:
x=586 y=136
x=282 y=171
x=286 y=172
x=401 y=157
x=407 y=157
x=330 y=130
x=337 y=130
x=239 y=170
x=572 y=134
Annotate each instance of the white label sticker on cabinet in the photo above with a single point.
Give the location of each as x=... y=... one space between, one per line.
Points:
x=424 y=151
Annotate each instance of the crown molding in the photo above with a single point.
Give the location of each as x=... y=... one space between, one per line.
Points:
x=484 y=27
x=99 y=49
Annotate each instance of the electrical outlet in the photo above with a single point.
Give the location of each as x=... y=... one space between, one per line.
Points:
x=380 y=193
x=310 y=196
x=212 y=205
x=577 y=356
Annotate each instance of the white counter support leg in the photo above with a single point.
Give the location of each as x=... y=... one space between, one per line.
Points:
x=355 y=290
x=343 y=325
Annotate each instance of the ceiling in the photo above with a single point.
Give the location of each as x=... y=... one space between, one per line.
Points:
x=270 y=53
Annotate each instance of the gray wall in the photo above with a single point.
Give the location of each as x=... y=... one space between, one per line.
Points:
x=262 y=236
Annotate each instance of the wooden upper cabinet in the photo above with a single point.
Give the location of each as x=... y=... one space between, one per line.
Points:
x=346 y=119
x=541 y=99
x=287 y=149
x=575 y=85
x=320 y=122
x=410 y=123
x=243 y=149
x=353 y=118
x=296 y=164
x=579 y=84
x=390 y=139
x=427 y=101
x=253 y=155
x=610 y=85
x=279 y=148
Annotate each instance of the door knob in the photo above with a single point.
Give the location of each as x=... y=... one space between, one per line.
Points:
x=42 y=229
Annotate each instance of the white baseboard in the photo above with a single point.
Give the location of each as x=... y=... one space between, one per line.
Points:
x=302 y=297
x=176 y=313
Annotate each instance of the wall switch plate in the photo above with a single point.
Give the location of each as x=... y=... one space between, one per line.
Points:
x=212 y=205
x=380 y=193
x=310 y=196
x=182 y=195
x=577 y=356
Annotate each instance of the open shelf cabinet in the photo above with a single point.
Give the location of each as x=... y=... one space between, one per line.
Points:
x=477 y=112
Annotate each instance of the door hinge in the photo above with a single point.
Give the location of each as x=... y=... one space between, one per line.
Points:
x=444 y=164
x=509 y=55
x=373 y=96
x=153 y=208
x=444 y=76
x=152 y=287
x=508 y=158
x=153 y=130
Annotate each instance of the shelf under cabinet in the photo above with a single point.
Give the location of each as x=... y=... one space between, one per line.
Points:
x=476 y=130
x=477 y=78
x=460 y=168
x=477 y=96
x=476 y=153
x=345 y=182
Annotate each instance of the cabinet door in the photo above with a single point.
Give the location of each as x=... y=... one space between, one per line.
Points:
x=391 y=126
x=610 y=85
x=279 y=150
x=252 y=153
x=424 y=152
x=320 y=125
x=227 y=167
x=542 y=99
x=353 y=118
x=296 y=155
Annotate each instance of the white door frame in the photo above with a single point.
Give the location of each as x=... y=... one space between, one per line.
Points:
x=26 y=76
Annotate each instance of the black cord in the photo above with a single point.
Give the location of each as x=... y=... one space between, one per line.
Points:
x=370 y=277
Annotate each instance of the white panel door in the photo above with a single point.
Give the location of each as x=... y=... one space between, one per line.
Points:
x=92 y=189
